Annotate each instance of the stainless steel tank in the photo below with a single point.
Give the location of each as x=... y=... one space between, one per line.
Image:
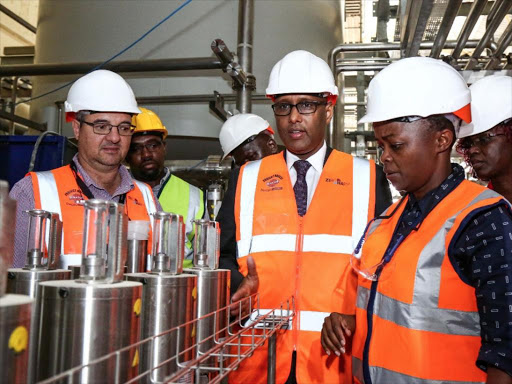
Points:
x=168 y=302
x=15 y=310
x=212 y=291
x=84 y=319
x=43 y=251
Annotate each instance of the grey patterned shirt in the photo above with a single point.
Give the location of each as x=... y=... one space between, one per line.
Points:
x=23 y=193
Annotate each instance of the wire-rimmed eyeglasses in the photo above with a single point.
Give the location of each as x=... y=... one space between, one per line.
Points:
x=102 y=128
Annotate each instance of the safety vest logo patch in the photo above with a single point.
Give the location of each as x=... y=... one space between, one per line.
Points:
x=75 y=197
x=336 y=181
x=271 y=182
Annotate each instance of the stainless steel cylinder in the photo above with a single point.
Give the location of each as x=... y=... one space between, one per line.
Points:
x=15 y=325
x=7 y=219
x=212 y=295
x=137 y=251
x=81 y=322
x=168 y=301
x=26 y=282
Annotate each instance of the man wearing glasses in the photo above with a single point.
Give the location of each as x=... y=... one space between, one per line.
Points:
x=146 y=159
x=295 y=216
x=100 y=106
x=434 y=296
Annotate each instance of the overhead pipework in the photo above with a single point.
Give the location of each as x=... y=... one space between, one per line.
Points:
x=425 y=25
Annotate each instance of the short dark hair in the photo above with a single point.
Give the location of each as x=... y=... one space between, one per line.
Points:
x=437 y=123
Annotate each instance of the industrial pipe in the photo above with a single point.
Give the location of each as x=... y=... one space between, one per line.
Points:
x=17 y=18
x=413 y=26
x=474 y=13
x=193 y=63
x=452 y=8
x=244 y=51
x=499 y=15
x=503 y=43
x=21 y=120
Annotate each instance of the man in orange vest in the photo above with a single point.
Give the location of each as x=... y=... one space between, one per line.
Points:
x=434 y=301
x=297 y=213
x=100 y=106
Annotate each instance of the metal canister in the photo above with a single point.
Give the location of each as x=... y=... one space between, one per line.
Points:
x=15 y=310
x=168 y=302
x=85 y=319
x=43 y=251
x=212 y=291
x=214 y=196
x=138 y=232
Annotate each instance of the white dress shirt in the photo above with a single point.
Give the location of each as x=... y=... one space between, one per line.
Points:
x=313 y=174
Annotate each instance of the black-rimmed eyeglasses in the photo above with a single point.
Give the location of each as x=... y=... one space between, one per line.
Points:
x=304 y=107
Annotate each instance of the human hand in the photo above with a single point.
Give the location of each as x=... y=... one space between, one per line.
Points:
x=335 y=331
x=248 y=286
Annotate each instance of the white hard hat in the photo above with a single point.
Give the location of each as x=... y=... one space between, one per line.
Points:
x=417 y=86
x=491 y=104
x=301 y=72
x=239 y=128
x=101 y=91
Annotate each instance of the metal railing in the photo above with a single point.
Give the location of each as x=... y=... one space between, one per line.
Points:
x=232 y=344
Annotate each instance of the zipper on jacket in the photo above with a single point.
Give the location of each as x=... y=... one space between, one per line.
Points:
x=298 y=262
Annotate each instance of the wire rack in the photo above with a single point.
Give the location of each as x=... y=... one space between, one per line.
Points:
x=228 y=346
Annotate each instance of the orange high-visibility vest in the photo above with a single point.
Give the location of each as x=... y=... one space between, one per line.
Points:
x=302 y=257
x=425 y=322
x=57 y=191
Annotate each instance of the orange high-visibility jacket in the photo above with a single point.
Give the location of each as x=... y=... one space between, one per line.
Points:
x=425 y=322
x=302 y=257
x=57 y=191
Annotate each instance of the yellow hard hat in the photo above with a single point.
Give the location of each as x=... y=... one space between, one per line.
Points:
x=148 y=122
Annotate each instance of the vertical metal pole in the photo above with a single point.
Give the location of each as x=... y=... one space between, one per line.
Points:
x=13 y=103
x=271 y=359
x=244 y=51
x=59 y=118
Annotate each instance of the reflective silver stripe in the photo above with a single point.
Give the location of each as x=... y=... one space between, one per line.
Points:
x=382 y=375
x=328 y=243
x=422 y=318
x=194 y=203
x=360 y=198
x=48 y=192
x=269 y=243
x=312 y=320
x=247 y=194
x=194 y=207
x=311 y=243
x=357 y=369
x=427 y=283
x=147 y=194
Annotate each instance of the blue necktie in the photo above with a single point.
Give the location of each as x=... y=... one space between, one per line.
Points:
x=301 y=187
